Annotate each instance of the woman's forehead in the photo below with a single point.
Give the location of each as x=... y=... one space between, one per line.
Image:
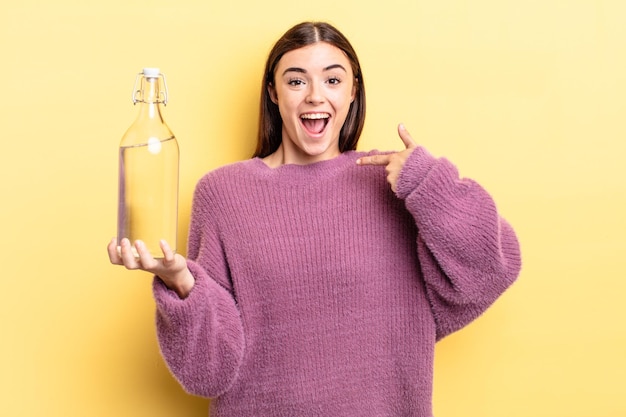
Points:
x=319 y=55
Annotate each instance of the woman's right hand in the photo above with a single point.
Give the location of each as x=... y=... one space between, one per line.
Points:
x=172 y=268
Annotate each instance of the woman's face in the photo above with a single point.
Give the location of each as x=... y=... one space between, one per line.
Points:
x=313 y=89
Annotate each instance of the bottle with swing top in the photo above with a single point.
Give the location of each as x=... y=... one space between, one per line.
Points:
x=148 y=170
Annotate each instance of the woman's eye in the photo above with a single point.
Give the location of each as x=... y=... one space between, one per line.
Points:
x=334 y=80
x=295 y=82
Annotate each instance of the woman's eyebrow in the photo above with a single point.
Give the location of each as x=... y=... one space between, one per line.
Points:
x=303 y=71
x=335 y=66
x=294 y=69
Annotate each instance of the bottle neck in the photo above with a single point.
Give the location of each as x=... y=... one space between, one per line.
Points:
x=150 y=97
x=149 y=92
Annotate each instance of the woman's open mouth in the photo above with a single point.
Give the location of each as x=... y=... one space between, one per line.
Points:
x=315 y=123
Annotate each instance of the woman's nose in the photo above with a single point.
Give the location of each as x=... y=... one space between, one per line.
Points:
x=314 y=95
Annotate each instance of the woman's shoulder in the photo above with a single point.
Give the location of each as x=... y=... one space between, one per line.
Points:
x=225 y=178
x=230 y=170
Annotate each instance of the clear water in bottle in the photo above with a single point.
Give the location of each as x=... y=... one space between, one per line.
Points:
x=149 y=193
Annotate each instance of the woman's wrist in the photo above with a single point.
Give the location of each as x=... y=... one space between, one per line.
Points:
x=181 y=285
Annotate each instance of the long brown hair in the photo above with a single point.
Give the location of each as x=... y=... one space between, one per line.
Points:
x=270 y=122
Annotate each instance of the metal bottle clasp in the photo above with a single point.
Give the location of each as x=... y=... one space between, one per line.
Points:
x=137 y=92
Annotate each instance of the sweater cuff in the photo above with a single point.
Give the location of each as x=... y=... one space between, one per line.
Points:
x=415 y=170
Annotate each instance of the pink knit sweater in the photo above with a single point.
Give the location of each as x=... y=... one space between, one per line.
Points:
x=321 y=293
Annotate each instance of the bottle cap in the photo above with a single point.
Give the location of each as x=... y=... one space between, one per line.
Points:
x=151 y=72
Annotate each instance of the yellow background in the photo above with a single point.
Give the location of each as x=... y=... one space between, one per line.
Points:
x=527 y=97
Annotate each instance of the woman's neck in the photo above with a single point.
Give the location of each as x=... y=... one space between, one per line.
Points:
x=284 y=156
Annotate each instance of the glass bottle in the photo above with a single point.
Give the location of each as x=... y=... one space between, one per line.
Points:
x=148 y=170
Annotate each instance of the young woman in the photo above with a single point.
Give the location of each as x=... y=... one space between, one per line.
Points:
x=319 y=278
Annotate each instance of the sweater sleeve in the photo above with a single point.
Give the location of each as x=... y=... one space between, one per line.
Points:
x=468 y=254
x=201 y=336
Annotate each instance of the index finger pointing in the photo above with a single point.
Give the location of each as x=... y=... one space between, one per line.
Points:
x=381 y=159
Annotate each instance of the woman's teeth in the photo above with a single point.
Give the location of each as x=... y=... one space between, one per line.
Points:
x=314 y=116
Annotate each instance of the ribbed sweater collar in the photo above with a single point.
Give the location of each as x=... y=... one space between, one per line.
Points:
x=296 y=174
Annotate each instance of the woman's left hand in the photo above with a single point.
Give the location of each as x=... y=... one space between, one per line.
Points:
x=393 y=162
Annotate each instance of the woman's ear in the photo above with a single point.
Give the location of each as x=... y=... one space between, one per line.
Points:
x=355 y=87
x=272 y=92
